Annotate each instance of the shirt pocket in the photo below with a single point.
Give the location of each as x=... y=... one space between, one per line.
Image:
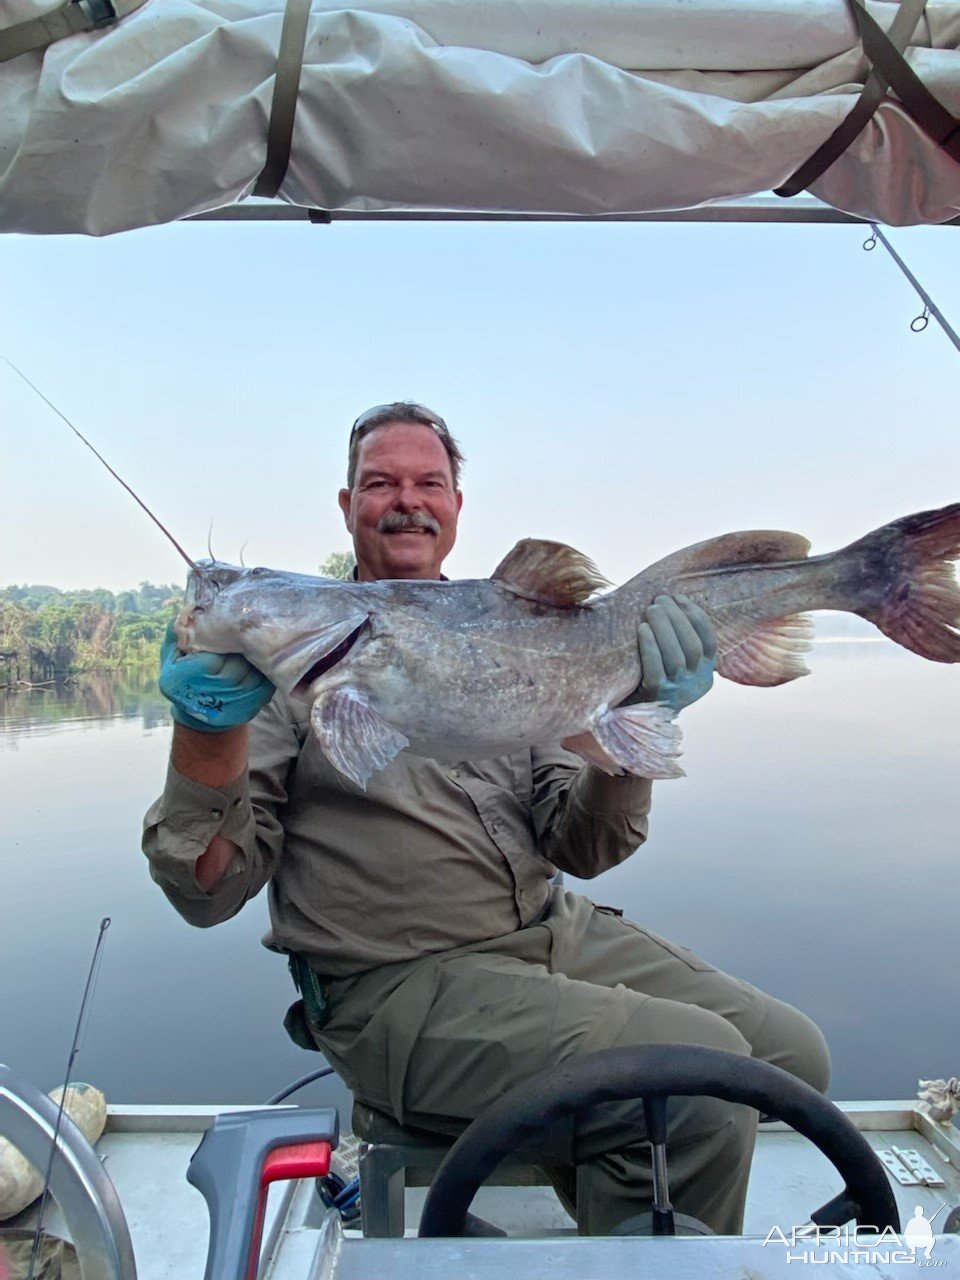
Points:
x=505 y=818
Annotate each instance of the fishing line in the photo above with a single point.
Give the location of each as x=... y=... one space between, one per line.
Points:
x=119 y=479
x=71 y=1059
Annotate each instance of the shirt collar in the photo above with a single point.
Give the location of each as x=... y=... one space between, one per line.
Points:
x=443 y=577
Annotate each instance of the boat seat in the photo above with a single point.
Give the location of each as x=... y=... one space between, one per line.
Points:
x=394 y=1157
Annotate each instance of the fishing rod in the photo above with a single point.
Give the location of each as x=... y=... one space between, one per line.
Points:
x=71 y=1059
x=79 y=434
x=930 y=308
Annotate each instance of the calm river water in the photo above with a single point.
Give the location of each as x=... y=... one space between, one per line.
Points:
x=811 y=849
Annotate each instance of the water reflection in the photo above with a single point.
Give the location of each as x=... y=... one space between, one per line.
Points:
x=95 y=695
x=811 y=849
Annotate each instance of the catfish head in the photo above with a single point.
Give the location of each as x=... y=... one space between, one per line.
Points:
x=291 y=626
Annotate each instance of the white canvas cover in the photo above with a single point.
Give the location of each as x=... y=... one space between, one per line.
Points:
x=518 y=106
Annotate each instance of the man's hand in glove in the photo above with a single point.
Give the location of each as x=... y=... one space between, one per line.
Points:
x=211 y=692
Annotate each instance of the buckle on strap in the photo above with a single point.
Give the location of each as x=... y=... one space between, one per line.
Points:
x=74 y=17
x=100 y=13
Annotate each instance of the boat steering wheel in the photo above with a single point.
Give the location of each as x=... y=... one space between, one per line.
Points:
x=655 y=1073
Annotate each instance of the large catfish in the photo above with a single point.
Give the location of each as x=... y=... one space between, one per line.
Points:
x=464 y=670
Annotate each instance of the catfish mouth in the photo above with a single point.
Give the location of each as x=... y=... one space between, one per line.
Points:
x=324 y=664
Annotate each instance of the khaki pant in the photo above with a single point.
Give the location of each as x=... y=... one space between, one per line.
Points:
x=435 y=1041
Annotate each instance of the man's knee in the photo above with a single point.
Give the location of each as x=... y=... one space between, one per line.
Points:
x=809 y=1054
x=790 y=1040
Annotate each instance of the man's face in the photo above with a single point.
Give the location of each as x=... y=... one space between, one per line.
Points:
x=402 y=510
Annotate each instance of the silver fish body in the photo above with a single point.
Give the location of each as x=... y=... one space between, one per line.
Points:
x=470 y=669
x=464 y=669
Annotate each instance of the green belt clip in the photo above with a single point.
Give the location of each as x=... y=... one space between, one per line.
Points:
x=316 y=1007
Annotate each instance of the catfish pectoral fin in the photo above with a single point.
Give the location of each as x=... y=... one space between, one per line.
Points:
x=355 y=737
x=763 y=653
x=590 y=751
x=642 y=740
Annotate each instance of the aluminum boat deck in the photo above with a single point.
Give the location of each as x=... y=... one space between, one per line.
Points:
x=146 y=1151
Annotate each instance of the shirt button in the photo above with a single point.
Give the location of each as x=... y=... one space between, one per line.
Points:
x=494 y=825
x=454 y=773
x=216 y=813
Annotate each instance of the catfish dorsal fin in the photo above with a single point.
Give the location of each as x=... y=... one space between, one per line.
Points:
x=550 y=572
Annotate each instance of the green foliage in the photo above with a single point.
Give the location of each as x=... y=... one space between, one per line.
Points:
x=54 y=631
x=339 y=564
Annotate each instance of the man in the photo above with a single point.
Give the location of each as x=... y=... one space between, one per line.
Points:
x=439 y=964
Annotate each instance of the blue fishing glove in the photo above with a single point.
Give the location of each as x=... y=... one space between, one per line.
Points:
x=210 y=692
x=678 y=653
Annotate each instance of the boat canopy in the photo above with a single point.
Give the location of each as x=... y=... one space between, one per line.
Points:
x=115 y=116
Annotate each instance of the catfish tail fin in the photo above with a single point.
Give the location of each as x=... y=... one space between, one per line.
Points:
x=919 y=606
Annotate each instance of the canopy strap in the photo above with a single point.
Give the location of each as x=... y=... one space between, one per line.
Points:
x=73 y=17
x=286 y=90
x=889 y=70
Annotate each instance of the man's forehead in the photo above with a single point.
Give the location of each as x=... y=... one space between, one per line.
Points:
x=395 y=445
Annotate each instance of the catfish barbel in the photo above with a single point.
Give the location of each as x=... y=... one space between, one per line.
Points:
x=476 y=668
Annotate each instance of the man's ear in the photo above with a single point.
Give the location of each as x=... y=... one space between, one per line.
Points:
x=459 y=501
x=343 y=497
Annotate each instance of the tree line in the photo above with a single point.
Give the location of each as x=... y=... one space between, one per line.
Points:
x=46 y=632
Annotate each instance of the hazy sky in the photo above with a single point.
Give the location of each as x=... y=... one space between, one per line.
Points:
x=625 y=388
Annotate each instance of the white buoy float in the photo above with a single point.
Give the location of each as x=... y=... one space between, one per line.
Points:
x=20 y=1182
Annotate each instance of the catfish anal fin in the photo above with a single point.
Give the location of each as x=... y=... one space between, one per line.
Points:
x=763 y=653
x=355 y=737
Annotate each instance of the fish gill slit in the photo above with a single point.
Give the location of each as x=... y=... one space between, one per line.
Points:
x=329 y=660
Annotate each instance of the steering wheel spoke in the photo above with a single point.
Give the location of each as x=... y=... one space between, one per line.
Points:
x=842 y=1208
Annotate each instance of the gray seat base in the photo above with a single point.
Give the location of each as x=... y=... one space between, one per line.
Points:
x=394 y=1157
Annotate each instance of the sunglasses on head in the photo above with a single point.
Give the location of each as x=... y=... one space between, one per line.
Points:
x=418 y=412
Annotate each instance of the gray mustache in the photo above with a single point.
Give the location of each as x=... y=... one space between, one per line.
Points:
x=394 y=521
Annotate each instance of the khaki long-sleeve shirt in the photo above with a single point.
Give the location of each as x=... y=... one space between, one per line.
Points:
x=432 y=856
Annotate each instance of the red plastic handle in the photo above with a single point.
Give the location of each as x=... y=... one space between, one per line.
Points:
x=301 y=1160
x=305 y=1160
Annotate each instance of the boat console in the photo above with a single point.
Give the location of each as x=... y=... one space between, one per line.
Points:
x=132 y=1212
